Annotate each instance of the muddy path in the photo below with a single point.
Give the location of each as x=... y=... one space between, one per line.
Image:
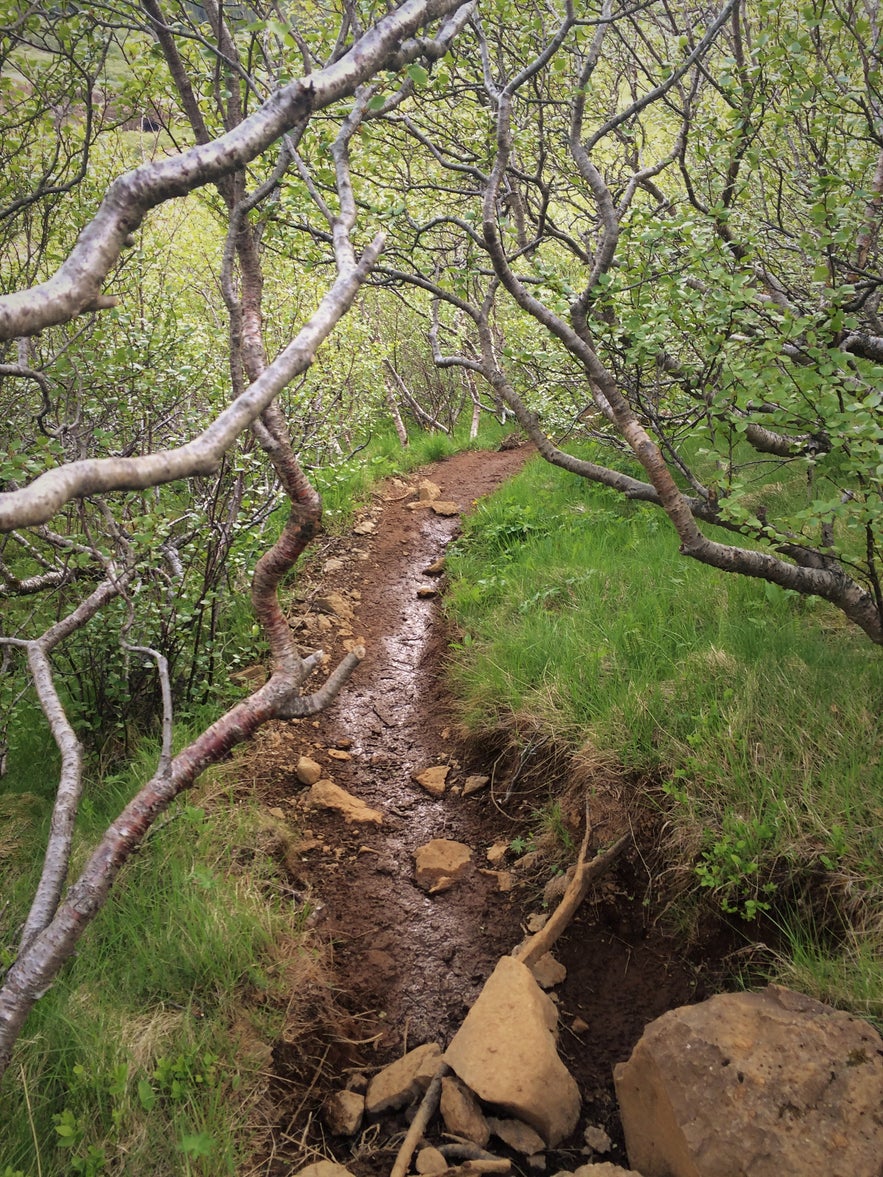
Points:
x=406 y=965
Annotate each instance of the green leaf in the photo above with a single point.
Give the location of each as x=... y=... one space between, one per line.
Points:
x=418 y=75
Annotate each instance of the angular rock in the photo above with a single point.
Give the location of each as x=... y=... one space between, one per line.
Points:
x=427 y=491
x=429 y=1161
x=596 y=1138
x=440 y=864
x=462 y=1112
x=505 y=1051
x=433 y=779
x=326 y=795
x=404 y=1081
x=342 y=1113
x=365 y=527
x=425 y=592
x=474 y=782
x=436 y=568
x=334 y=603
x=548 y=971
x=517 y=1135
x=445 y=508
x=324 y=1169
x=760 y=1084
x=601 y=1169
x=339 y=754
x=497 y=852
x=307 y=771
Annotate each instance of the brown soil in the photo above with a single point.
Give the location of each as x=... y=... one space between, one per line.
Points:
x=407 y=966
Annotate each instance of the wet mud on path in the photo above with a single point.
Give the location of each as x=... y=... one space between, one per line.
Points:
x=406 y=966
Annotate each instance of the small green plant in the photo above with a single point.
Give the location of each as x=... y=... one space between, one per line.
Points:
x=522 y=844
x=730 y=867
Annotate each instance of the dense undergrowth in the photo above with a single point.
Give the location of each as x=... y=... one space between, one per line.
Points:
x=150 y=1054
x=758 y=711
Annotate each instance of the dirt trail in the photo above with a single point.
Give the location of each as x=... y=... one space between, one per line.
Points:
x=408 y=966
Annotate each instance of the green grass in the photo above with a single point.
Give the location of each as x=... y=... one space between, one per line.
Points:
x=128 y=1064
x=759 y=710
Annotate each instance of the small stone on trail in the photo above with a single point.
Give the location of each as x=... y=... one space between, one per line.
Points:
x=445 y=508
x=433 y=779
x=536 y=922
x=334 y=564
x=342 y=1113
x=548 y=971
x=474 y=782
x=597 y=1139
x=365 y=527
x=334 y=603
x=430 y=1161
x=427 y=491
x=326 y=795
x=276 y=812
x=462 y=1112
x=403 y=1081
x=436 y=568
x=497 y=853
x=517 y=1135
x=440 y=864
x=344 y=743
x=579 y=1025
x=308 y=771
x=424 y=592
x=339 y=754
x=324 y=1169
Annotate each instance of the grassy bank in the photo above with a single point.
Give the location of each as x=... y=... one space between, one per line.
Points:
x=758 y=711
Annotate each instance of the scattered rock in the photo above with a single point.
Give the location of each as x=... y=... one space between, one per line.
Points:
x=433 y=779
x=462 y=1112
x=536 y=922
x=754 y=1083
x=366 y=527
x=429 y=1161
x=497 y=853
x=597 y=1139
x=427 y=491
x=326 y=795
x=517 y=1135
x=404 y=1081
x=333 y=564
x=436 y=568
x=579 y=1025
x=324 y=1169
x=440 y=864
x=601 y=1169
x=308 y=771
x=548 y=971
x=342 y=1113
x=275 y=811
x=339 y=754
x=505 y=1051
x=334 y=603
x=425 y=592
x=474 y=782
x=445 y=508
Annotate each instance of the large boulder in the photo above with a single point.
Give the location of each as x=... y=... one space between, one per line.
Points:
x=754 y=1085
x=506 y=1052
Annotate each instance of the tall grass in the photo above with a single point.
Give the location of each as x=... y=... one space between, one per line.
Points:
x=128 y=1063
x=759 y=710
